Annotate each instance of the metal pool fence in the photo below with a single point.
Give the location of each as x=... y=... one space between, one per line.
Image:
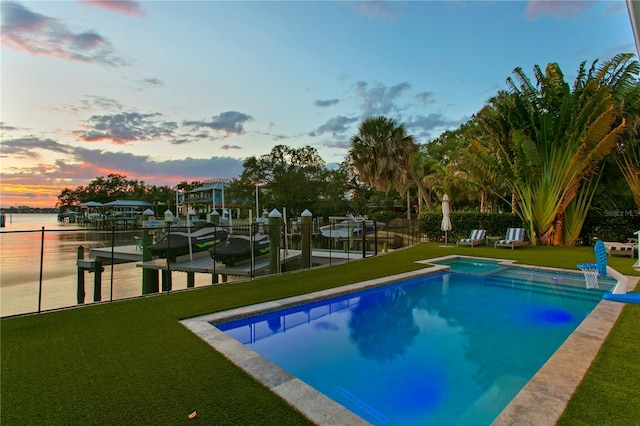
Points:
x=63 y=257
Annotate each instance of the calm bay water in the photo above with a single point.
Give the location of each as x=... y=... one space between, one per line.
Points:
x=20 y=265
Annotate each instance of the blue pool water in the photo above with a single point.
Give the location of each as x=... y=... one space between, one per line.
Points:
x=439 y=349
x=473 y=266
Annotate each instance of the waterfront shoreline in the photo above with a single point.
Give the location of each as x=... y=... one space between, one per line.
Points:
x=20 y=266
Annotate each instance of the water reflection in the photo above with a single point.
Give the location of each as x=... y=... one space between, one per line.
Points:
x=20 y=254
x=275 y=323
x=442 y=347
x=507 y=323
x=382 y=325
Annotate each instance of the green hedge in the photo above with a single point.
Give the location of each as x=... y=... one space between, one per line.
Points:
x=462 y=223
x=611 y=225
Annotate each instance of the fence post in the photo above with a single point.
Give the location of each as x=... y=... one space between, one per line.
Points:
x=275 y=225
x=375 y=237
x=97 y=281
x=364 y=238
x=149 y=277
x=113 y=248
x=305 y=222
x=214 y=275
x=80 y=293
x=41 y=266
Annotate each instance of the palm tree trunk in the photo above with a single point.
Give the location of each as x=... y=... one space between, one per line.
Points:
x=558 y=230
x=543 y=238
x=421 y=188
x=483 y=202
x=408 y=206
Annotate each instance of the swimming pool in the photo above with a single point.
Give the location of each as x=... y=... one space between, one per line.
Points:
x=473 y=266
x=435 y=349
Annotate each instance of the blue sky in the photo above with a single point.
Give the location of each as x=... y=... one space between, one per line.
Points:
x=166 y=91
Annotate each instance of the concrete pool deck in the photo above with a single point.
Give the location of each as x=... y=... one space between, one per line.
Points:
x=541 y=402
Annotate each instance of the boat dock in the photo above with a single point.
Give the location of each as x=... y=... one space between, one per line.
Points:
x=200 y=262
x=121 y=254
x=203 y=263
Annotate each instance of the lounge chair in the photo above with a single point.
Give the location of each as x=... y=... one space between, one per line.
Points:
x=623 y=249
x=513 y=239
x=476 y=238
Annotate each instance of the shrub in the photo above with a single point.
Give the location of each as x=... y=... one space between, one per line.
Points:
x=612 y=225
x=462 y=223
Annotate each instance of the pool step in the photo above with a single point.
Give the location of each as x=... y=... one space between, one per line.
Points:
x=545 y=287
x=480 y=273
x=576 y=279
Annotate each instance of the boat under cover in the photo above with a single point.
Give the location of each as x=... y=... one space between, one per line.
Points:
x=237 y=248
x=349 y=228
x=202 y=236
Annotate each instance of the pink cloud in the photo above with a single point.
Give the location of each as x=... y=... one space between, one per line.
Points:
x=126 y=7
x=375 y=9
x=29 y=31
x=559 y=9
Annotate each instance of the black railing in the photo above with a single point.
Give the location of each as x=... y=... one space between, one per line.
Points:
x=66 y=256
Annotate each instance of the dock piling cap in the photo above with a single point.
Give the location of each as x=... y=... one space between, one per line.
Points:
x=275 y=213
x=306 y=212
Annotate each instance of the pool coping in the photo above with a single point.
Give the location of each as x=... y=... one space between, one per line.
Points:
x=542 y=401
x=545 y=397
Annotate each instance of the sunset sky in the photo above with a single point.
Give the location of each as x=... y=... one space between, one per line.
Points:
x=167 y=91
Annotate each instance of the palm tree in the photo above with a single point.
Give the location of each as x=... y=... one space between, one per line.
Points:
x=382 y=153
x=451 y=180
x=425 y=166
x=439 y=163
x=166 y=195
x=547 y=139
x=502 y=153
x=627 y=156
x=481 y=182
x=628 y=159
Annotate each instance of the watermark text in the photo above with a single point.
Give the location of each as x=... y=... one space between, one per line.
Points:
x=622 y=213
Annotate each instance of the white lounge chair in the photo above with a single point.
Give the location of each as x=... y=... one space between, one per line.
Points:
x=623 y=249
x=513 y=239
x=476 y=238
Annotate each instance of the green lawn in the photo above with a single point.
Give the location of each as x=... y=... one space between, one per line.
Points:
x=131 y=362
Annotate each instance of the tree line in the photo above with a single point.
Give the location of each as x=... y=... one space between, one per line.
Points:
x=117 y=187
x=549 y=151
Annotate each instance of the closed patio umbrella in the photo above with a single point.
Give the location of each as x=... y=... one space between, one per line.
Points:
x=446 y=221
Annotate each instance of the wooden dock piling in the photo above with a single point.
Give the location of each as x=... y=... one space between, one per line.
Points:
x=88 y=265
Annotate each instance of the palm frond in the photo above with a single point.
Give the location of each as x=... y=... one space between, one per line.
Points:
x=576 y=212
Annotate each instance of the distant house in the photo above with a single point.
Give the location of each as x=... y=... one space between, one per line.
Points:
x=125 y=213
x=209 y=197
x=128 y=205
x=126 y=208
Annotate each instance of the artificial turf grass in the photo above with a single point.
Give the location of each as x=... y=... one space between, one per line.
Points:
x=608 y=394
x=83 y=371
x=131 y=362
